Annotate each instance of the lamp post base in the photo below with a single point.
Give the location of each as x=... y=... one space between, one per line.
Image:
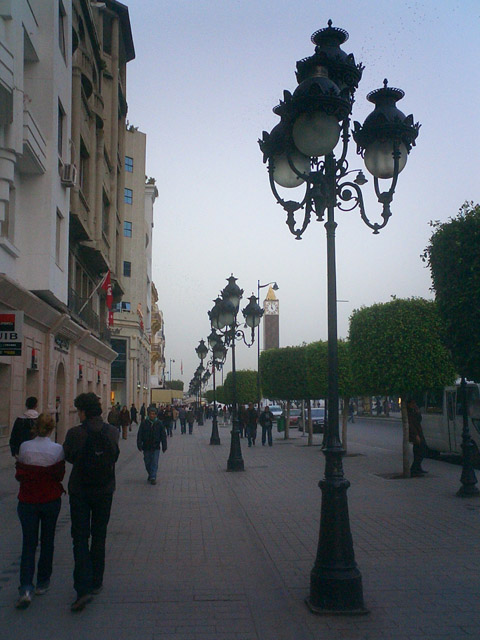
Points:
x=214 y=438
x=339 y=596
x=235 y=460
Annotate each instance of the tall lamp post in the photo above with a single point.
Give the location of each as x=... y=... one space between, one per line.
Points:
x=259 y=379
x=299 y=151
x=170 y=369
x=202 y=351
x=223 y=318
x=219 y=354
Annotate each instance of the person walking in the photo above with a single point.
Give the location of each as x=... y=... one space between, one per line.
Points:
x=92 y=449
x=133 y=415
x=182 y=414
x=113 y=417
x=416 y=437
x=40 y=469
x=23 y=427
x=143 y=412
x=168 y=420
x=175 y=417
x=266 y=420
x=125 y=421
x=190 y=420
x=351 y=412
x=150 y=437
x=251 y=417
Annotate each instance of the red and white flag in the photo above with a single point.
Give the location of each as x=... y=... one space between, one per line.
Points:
x=107 y=286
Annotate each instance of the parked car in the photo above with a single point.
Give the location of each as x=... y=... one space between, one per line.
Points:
x=295 y=417
x=276 y=410
x=318 y=419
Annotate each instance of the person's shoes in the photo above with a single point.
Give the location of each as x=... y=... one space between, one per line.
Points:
x=97 y=590
x=423 y=471
x=153 y=481
x=416 y=474
x=24 y=600
x=81 y=602
x=42 y=588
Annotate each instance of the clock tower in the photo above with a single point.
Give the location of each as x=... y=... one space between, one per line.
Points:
x=270 y=321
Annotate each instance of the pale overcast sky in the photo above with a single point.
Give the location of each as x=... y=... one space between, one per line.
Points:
x=206 y=76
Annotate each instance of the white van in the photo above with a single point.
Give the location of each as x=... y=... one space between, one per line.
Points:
x=442 y=419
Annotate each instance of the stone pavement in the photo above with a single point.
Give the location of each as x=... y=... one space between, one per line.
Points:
x=211 y=555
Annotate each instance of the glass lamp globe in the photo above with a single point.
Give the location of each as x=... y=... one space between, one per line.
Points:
x=379 y=158
x=316 y=133
x=283 y=173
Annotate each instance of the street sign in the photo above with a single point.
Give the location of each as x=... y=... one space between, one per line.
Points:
x=11 y=332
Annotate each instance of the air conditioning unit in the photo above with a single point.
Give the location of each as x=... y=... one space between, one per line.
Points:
x=68 y=175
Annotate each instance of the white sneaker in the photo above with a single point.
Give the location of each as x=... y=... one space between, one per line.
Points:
x=24 y=600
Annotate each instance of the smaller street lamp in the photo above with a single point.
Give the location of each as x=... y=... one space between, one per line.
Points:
x=223 y=317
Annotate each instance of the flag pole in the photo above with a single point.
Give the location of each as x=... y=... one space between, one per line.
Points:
x=93 y=292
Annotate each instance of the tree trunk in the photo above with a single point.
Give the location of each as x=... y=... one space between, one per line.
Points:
x=310 y=428
x=405 y=442
x=346 y=402
x=286 y=435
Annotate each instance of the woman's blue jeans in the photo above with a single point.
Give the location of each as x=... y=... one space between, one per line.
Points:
x=35 y=517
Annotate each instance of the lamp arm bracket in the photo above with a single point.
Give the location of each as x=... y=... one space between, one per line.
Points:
x=346 y=195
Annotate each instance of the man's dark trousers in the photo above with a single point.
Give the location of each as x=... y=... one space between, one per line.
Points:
x=90 y=516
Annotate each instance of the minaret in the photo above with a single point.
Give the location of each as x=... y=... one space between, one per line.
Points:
x=270 y=321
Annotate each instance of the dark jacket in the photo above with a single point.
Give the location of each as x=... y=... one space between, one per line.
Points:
x=266 y=419
x=114 y=417
x=73 y=446
x=133 y=413
x=151 y=435
x=22 y=431
x=125 y=418
x=251 y=417
x=414 y=424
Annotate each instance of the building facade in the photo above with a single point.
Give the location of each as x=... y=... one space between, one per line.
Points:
x=158 y=344
x=62 y=114
x=131 y=333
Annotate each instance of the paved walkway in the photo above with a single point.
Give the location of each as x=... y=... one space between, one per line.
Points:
x=211 y=555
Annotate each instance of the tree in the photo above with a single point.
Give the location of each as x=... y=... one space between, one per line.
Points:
x=174 y=384
x=454 y=259
x=317 y=376
x=453 y=255
x=284 y=376
x=246 y=387
x=397 y=348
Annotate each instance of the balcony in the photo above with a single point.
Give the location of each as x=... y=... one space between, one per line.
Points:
x=87 y=314
x=34 y=155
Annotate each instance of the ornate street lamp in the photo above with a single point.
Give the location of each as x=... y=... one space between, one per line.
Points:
x=299 y=152
x=201 y=352
x=219 y=354
x=223 y=317
x=259 y=378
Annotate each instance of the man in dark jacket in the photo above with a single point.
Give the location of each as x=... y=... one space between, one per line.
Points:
x=266 y=420
x=416 y=437
x=151 y=435
x=22 y=429
x=251 y=424
x=90 y=489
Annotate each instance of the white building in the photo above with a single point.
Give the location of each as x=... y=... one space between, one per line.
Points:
x=44 y=90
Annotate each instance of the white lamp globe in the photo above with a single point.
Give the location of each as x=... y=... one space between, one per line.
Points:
x=316 y=133
x=379 y=158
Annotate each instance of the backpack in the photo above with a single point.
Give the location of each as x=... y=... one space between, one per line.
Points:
x=96 y=464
